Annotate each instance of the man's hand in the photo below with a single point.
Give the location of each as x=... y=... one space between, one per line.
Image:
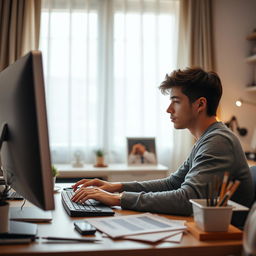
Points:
x=104 y=185
x=141 y=149
x=138 y=149
x=105 y=197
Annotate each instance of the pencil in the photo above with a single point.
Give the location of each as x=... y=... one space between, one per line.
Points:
x=224 y=184
x=230 y=184
x=232 y=191
x=89 y=239
x=229 y=194
x=225 y=192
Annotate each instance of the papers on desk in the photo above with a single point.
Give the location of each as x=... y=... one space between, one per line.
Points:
x=167 y=236
x=141 y=227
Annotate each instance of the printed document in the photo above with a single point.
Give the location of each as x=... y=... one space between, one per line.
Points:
x=121 y=226
x=166 y=236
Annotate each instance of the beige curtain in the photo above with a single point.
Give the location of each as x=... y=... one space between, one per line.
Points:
x=19 y=29
x=195 y=49
x=196 y=39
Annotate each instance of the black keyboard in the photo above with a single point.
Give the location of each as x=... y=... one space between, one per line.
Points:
x=88 y=209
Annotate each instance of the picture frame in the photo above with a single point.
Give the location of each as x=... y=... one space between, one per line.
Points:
x=141 y=151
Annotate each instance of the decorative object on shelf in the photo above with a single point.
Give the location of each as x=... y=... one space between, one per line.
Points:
x=233 y=125
x=251 y=155
x=141 y=151
x=100 y=158
x=4 y=210
x=77 y=163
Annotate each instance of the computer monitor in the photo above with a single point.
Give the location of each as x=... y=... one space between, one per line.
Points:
x=25 y=154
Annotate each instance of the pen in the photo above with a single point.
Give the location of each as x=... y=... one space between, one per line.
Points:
x=216 y=189
x=207 y=195
x=89 y=239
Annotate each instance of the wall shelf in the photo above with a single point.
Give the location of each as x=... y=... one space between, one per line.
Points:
x=252 y=36
x=114 y=172
x=251 y=89
x=251 y=59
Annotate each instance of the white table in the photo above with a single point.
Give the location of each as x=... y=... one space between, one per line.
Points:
x=114 y=172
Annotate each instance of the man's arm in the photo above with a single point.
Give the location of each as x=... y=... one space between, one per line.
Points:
x=132 y=159
x=169 y=202
x=172 y=182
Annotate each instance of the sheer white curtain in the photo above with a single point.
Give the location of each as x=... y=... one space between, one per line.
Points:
x=104 y=61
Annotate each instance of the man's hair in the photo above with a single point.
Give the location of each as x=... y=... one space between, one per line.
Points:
x=195 y=83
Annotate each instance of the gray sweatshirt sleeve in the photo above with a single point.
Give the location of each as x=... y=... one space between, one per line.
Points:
x=172 y=182
x=210 y=157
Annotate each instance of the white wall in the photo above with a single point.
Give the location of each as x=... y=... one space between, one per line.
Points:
x=233 y=20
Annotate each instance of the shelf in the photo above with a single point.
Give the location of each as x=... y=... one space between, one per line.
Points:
x=251 y=59
x=252 y=36
x=114 y=172
x=251 y=89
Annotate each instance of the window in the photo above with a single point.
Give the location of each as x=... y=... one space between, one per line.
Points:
x=104 y=61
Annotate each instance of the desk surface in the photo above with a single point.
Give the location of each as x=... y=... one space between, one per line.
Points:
x=62 y=225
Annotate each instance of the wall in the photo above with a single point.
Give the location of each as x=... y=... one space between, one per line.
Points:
x=233 y=20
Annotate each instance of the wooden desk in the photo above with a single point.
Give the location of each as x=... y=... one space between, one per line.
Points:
x=62 y=225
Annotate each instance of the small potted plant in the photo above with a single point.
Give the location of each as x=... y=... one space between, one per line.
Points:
x=4 y=210
x=55 y=173
x=100 y=159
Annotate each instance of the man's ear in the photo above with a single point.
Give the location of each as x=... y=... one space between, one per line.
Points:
x=202 y=104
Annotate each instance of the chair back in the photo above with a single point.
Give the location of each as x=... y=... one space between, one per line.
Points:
x=249 y=237
x=253 y=172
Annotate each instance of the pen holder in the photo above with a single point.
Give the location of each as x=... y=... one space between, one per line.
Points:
x=210 y=218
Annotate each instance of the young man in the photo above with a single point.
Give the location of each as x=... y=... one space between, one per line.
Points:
x=194 y=95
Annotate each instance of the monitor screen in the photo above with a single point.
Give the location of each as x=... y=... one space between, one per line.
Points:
x=25 y=154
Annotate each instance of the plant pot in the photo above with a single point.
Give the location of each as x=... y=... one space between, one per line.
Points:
x=4 y=217
x=100 y=161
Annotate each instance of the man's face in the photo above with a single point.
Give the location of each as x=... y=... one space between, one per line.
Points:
x=183 y=113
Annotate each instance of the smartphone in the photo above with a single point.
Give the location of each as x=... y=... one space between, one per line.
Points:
x=84 y=227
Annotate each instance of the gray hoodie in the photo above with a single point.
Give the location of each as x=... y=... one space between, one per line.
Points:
x=217 y=150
